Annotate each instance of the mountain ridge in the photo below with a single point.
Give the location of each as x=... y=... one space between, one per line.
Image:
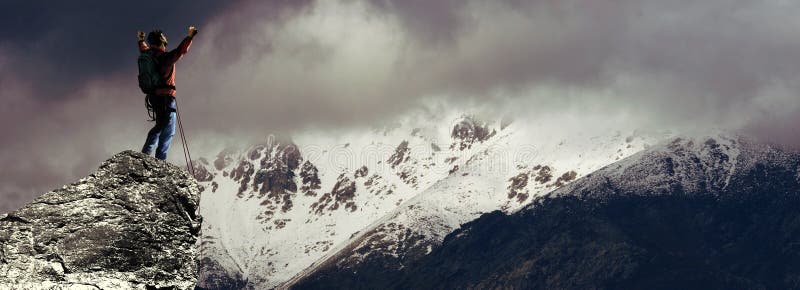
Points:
x=609 y=231
x=443 y=170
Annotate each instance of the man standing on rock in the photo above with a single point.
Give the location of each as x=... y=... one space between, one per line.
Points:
x=157 y=80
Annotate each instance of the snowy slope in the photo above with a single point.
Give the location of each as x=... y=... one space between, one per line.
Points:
x=688 y=164
x=275 y=209
x=713 y=210
x=506 y=173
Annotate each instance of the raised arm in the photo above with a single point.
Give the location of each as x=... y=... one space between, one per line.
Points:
x=142 y=45
x=174 y=55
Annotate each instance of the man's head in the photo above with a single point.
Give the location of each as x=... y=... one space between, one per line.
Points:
x=157 y=38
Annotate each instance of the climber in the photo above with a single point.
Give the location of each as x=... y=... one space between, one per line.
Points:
x=157 y=81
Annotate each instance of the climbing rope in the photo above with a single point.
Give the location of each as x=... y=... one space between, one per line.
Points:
x=186 y=155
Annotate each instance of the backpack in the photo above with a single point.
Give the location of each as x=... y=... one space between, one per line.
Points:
x=149 y=78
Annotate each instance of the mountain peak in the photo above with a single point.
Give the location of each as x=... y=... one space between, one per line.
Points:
x=130 y=224
x=688 y=165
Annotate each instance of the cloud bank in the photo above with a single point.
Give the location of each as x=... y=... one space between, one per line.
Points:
x=282 y=66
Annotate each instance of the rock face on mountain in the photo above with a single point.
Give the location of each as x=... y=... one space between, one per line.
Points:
x=707 y=213
x=132 y=224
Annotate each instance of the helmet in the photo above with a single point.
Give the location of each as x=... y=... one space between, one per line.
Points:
x=156 y=37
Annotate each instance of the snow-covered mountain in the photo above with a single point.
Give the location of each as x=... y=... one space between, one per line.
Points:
x=280 y=209
x=710 y=212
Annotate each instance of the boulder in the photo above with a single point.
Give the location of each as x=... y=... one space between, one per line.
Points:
x=132 y=224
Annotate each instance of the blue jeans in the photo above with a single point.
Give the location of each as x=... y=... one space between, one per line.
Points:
x=161 y=134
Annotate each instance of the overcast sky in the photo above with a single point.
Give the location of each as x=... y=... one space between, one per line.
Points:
x=70 y=99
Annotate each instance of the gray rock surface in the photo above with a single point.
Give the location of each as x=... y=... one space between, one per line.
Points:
x=132 y=224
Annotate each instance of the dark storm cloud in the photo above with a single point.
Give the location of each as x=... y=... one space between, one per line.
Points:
x=67 y=80
x=59 y=45
x=49 y=51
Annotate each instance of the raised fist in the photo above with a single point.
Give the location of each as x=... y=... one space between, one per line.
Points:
x=192 y=31
x=140 y=35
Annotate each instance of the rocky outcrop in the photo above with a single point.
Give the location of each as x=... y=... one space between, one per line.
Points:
x=268 y=174
x=132 y=224
x=469 y=131
x=309 y=175
x=342 y=194
x=401 y=155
